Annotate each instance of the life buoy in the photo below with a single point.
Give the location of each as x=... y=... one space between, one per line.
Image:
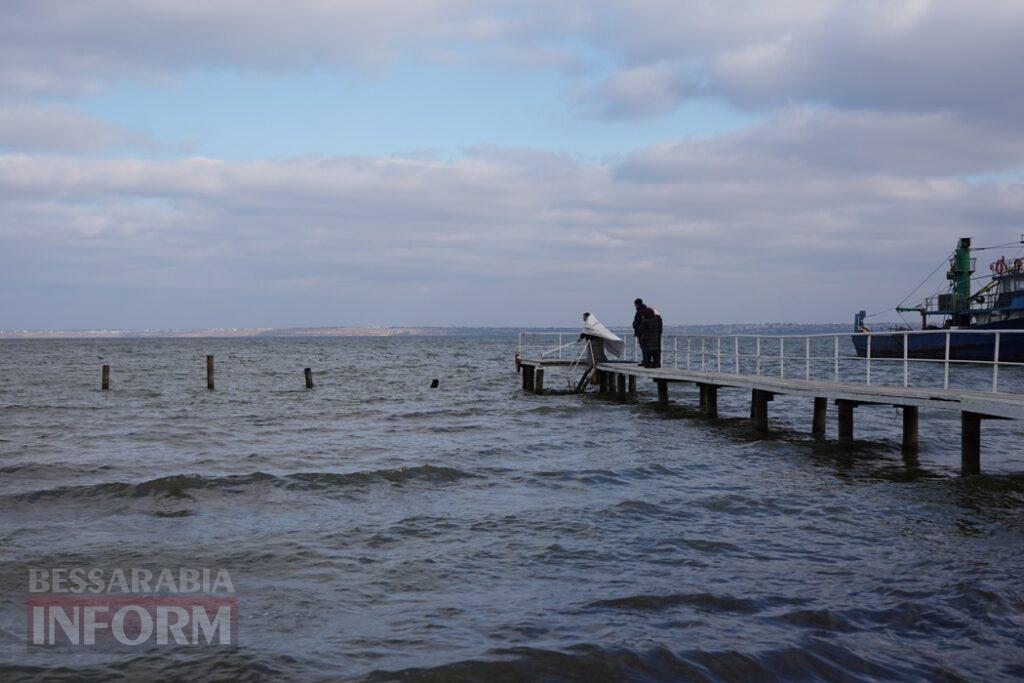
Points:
x=1000 y=267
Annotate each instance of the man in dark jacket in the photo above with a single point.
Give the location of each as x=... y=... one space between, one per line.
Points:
x=637 y=320
x=650 y=338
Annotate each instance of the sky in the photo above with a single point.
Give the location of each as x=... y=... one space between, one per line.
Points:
x=246 y=163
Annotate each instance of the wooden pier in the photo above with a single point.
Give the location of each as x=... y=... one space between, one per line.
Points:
x=620 y=379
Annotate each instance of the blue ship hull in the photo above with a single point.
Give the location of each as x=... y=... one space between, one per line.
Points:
x=962 y=346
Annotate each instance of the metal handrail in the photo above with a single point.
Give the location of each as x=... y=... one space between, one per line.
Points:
x=711 y=352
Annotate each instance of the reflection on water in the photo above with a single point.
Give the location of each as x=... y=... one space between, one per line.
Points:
x=375 y=526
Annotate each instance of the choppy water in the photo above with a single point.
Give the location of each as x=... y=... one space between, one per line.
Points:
x=377 y=528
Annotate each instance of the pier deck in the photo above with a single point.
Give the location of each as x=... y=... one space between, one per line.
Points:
x=620 y=378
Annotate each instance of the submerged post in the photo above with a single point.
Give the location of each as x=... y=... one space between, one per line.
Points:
x=910 y=444
x=209 y=372
x=709 y=400
x=632 y=384
x=538 y=382
x=662 y=391
x=820 y=411
x=620 y=386
x=845 y=410
x=105 y=381
x=759 y=409
x=308 y=372
x=970 y=443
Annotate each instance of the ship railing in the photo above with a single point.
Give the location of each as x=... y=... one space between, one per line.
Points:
x=833 y=357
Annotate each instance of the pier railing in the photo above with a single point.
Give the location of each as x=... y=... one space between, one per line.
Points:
x=825 y=357
x=833 y=357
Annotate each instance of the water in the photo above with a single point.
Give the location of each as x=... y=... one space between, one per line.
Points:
x=377 y=528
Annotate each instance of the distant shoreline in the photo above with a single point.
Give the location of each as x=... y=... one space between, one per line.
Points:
x=250 y=332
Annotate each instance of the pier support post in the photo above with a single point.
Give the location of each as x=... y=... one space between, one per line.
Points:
x=820 y=410
x=308 y=372
x=632 y=384
x=105 y=381
x=845 y=414
x=527 y=378
x=662 y=391
x=209 y=373
x=970 y=443
x=910 y=444
x=538 y=382
x=759 y=408
x=709 y=400
x=620 y=387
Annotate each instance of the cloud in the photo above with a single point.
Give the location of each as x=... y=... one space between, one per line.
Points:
x=51 y=127
x=751 y=218
x=905 y=55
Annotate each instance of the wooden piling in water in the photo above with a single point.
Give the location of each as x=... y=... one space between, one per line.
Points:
x=308 y=372
x=910 y=444
x=820 y=412
x=759 y=409
x=662 y=392
x=620 y=386
x=845 y=419
x=632 y=384
x=435 y=383
x=209 y=372
x=970 y=443
x=105 y=378
x=538 y=382
x=709 y=400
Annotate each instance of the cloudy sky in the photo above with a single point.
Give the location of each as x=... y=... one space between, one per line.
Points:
x=200 y=163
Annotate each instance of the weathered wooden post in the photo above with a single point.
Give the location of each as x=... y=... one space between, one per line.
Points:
x=538 y=382
x=662 y=391
x=435 y=383
x=845 y=415
x=209 y=372
x=308 y=372
x=602 y=381
x=632 y=384
x=105 y=381
x=528 y=377
x=910 y=444
x=820 y=411
x=759 y=408
x=620 y=386
x=709 y=400
x=970 y=443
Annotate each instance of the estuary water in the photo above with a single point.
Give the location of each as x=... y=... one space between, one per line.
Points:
x=378 y=529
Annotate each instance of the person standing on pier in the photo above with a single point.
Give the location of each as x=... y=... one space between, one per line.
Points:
x=650 y=337
x=638 y=318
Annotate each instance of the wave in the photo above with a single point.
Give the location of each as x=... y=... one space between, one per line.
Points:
x=182 y=485
x=708 y=602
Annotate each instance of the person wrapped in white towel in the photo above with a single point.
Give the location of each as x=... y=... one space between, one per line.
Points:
x=600 y=339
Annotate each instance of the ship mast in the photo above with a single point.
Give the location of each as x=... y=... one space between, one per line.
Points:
x=960 y=275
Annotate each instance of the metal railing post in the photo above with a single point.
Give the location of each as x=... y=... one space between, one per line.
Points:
x=906 y=362
x=995 y=367
x=636 y=348
x=782 y=358
x=757 y=355
x=689 y=351
x=719 y=340
x=702 y=352
x=559 y=346
x=736 y=348
x=519 y=349
x=835 y=343
x=807 y=367
x=675 y=352
x=869 y=359
x=945 y=378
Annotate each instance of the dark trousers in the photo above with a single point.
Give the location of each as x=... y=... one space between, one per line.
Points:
x=652 y=357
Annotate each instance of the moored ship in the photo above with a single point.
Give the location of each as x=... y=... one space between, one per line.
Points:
x=959 y=322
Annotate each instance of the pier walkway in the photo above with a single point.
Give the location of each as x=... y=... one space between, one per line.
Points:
x=749 y=364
